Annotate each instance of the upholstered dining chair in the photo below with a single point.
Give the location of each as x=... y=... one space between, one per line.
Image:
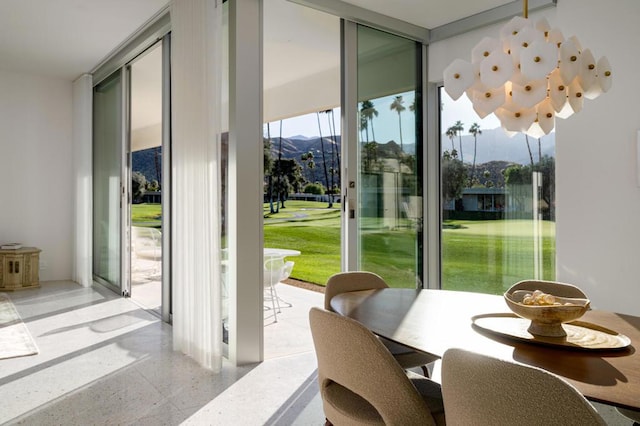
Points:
x=480 y=390
x=360 y=381
x=362 y=280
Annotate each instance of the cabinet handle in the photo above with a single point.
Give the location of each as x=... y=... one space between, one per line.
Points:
x=11 y=266
x=17 y=267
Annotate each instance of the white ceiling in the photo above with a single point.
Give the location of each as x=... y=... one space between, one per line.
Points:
x=428 y=13
x=65 y=38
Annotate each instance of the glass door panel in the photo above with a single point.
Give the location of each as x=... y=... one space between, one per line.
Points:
x=390 y=157
x=107 y=186
x=147 y=197
x=497 y=202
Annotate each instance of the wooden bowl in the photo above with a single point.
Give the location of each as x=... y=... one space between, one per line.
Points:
x=546 y=320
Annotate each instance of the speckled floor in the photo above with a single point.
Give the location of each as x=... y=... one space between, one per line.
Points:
x=106 y=361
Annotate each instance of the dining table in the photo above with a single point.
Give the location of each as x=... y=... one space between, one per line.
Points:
x=433 y=321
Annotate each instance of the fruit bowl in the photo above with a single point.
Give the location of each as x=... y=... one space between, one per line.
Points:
x=546 y=309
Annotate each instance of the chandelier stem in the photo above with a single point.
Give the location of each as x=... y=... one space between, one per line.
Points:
x=525 y=9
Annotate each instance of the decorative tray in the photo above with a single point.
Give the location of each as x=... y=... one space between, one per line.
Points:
x=581 y=335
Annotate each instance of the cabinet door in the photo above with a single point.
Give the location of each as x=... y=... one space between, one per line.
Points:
x=14 y=271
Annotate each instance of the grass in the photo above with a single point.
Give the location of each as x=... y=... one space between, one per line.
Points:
x=311 y=228
x=144 y=214
x=479 y=256
x=490 y=256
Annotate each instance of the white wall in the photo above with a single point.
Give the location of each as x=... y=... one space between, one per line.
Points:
x=597 y=195
x=35 y=168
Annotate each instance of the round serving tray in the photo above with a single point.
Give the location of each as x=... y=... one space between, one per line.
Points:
x=581 y=335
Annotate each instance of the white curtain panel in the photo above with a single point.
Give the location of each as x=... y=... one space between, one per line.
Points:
x=196 y=64
x=82 y=209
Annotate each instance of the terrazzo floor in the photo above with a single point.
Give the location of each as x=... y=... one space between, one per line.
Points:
x=105 y=360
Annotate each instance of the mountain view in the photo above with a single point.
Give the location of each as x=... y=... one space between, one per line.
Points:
x=495 y=151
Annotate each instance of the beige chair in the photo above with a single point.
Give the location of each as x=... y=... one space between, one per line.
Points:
x=362 y=384
x=360 y=280
x=481 y=390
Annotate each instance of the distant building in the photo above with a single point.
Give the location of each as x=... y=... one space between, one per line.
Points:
x=152 y=197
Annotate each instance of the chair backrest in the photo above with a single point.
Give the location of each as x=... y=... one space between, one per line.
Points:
x=146 y=242
x=481 y=390
x=351 y=281
x=551 y=287
x=273 y=267
x=353 y=365
x=286 y=270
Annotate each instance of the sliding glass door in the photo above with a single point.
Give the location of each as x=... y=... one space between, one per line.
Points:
x=107 y=184
x=389 y=156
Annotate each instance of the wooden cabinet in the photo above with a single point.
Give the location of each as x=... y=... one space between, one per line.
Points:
x=19 y=269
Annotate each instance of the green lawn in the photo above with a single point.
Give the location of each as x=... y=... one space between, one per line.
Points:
x=311 y=228
x=146 y=215
x=490 y=256
x=481 y=256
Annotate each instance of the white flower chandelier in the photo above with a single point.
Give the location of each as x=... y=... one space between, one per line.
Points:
x=528 y=76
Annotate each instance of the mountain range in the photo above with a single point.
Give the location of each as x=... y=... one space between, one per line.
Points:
x=493 y=145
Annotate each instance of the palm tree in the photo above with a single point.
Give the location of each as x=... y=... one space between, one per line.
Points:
x=332 y=169
x=451 y=133
x=539 y=151
x=526 y=138
x=369 y=111
x=324 y=161
x=398 y=106
x=459 y=126
x=475 y=131
x=364 y=125
x=268 y=168
x=307 y=160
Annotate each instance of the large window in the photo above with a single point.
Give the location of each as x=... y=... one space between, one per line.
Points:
x=498 y=202
x=389 y=154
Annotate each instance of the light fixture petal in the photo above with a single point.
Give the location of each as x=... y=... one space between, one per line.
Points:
x=588 y=74
x=523 y=40
x=530 y=94
x=576 y=43
x=488 y=101
x=555 y=37
x=518 y=121
x=484 y=49
x=458 y=77
x=576 y=98
x=543 y=26
x=508 y=98
x=569 y=61
x=514 y=26
x=565 y=112
x=535 y=131
x=496 y=69
x=557 y=91
x=604 y=74
x=537 y=61
x=545 y=116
